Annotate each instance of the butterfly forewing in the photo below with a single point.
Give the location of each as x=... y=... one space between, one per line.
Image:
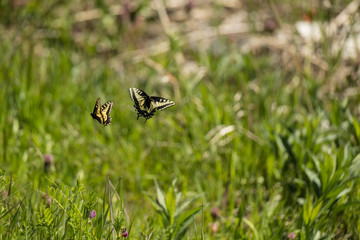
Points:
x=96 y=112
x=137 y=95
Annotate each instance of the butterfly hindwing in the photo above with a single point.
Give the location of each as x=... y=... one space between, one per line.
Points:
x=102 y=112
x=105 y=112
x=162 y=103
x=145 y=105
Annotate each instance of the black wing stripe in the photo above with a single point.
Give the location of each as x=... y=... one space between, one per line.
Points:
x=107 y=107
x=102 y=112
x=146 y=106
x=162 y=103
x=96 y=114
x=132 y=94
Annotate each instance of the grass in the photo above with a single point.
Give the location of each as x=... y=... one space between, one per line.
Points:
x=252 y=149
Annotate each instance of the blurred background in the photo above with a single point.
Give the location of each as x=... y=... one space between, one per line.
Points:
x=261 y=143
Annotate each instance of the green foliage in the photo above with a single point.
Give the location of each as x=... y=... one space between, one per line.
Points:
x=260 y=148
x=171 y=207
x=62 y=212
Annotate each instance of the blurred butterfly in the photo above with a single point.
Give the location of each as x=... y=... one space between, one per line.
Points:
x=145 y=105
x=102 y=113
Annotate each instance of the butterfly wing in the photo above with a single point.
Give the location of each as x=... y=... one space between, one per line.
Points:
x=96 y=114
x=105 y=112
x=161 y=103
x=142 y=102
x=139 y=97
x=146 y=106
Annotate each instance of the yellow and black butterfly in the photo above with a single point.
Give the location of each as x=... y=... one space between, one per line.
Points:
x=102 y=113
x=145 y=105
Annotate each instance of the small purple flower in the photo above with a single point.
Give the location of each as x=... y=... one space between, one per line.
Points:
x=125 y=234
x=47 y=199
x=4 y=194
x=189 y=5
x=214 y=227
x=92 y=214
x=215 y=213
x=48 y=161
x=291 y=235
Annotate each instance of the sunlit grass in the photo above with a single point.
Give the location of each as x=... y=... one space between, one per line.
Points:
x=251 y=158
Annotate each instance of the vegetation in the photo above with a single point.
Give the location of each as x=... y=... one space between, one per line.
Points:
x=262 y=143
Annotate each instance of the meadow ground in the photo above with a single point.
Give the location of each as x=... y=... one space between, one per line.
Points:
x=261 y=144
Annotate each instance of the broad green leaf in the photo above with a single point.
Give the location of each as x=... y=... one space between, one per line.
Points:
x=153 y=202
x=356 y=126
x=181 y=208
x=161 y=199
x=343 y=193
x=314 y=179
x=315 y=211
x=183 y=221
x=170 y=204
x=307 y=211
x=252 y=227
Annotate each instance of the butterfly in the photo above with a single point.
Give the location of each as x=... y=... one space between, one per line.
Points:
x=102 y=113
x=145 y=105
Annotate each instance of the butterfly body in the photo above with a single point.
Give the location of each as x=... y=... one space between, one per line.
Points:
x=101 y=113
x=146 y=105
